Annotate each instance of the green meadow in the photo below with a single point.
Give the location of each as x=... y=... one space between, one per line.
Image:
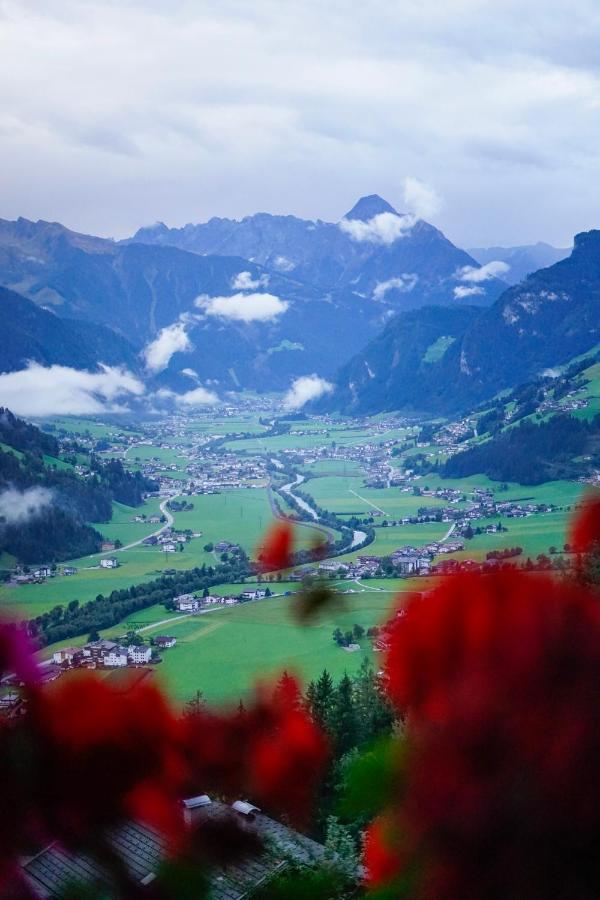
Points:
x=224 y=652
x=347 y=494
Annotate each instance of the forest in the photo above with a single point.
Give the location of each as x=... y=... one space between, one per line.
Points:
x=58 y=528
x=532 y=453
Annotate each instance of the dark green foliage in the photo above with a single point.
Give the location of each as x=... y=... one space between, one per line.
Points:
x=59 y=530
x=22 y=436
x=530 y=453
x=303 y=883
x=104 y=612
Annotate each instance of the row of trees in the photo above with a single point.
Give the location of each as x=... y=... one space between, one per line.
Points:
x=64 y=622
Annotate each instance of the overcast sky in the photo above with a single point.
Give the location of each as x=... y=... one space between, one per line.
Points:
x=118 y=114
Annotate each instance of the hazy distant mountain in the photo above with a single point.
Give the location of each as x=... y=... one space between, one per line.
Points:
x=374 y=251
x=522 y=261
x=33 y=334
x=399 y=369
x=260 y=301
x=551 y=317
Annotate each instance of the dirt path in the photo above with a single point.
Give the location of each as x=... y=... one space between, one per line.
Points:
x=368 y=502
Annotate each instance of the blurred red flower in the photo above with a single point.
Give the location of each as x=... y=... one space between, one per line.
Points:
x=585 y=528
x=382 y=861
x=272 y=751
x=499 y=677
x=276 y=550
x=105 y=754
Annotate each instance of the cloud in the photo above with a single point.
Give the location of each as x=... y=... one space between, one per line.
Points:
x=244 y=281
x=421 y=199
x=303 y=389
x=198 y=397
x=59 y=390
x=283 y=264
x=190 y=373
x=507 y=129
x=474 y=274
x=243 y=307
x=463 y=291
x=384 y=228
x=18 y=506
x=170 y=340
x=404 y=283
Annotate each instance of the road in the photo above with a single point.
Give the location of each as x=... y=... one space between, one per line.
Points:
x=168 y=523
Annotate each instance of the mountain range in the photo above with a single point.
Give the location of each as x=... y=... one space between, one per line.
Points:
x=250 y=304
x=381 y=302
x=551 y=317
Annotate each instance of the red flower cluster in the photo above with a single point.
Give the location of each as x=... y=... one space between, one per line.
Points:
x=276 y=550
x=89 y=755
x=105 y=754
x=271 y=752
x=499 y=677
x=585 y=532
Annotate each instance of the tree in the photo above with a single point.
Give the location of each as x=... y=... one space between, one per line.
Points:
x=195 y=705
x=286 y=690
x=358 y=632
x=343 y=719
x=94 y=635
x=374 y=712
x=340 y=848
x=319 y=699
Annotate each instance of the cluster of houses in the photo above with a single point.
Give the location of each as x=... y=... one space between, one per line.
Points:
x=192 y=604
x=110 y=654
x=210 y=474
x=40 y=574
x=169 y=540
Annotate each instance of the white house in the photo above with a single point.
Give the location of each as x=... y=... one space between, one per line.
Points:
x=140 y=655
x=187 y=603
x=164 y=641
x=66 y=655
x=169 y=547
x=109 y=562
x=116 y=657
x=258 y=594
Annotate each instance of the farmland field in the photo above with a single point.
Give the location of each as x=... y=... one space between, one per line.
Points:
x=223 y=653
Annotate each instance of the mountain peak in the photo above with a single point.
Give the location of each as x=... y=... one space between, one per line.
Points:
x=588 y=241
x=369 y=206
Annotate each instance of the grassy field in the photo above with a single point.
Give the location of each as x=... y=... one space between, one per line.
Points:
x=122 y=528
x=93 y=427
x=224 y=652
x=339 y=494
x=535 y=534
x=389 y=539
x=167 y=455
x=240 y=516
x=333 y=467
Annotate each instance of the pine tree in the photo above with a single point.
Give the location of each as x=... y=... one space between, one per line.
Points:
x=286 y=691
x=344 y=723
x=374 y=713
x=319 y=699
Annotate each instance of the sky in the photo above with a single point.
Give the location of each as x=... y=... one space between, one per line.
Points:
x=119 y=113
